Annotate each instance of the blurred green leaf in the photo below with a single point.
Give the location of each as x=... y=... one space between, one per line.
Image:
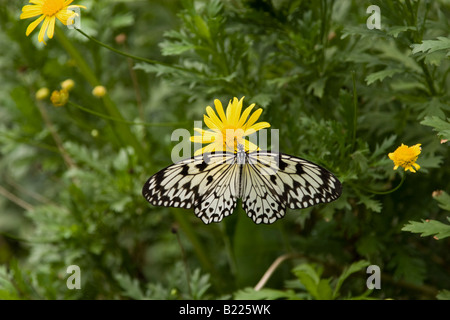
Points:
x=433 y=228
x=354 y=267
x=381 y=75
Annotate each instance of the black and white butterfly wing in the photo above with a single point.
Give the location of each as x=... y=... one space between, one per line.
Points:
x=273 y=182
x=262 y=199
x=208 y=183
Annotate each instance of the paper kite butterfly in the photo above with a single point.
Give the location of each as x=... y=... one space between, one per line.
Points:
x=267 y=183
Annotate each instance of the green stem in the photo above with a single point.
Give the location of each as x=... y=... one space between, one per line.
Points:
x=122 y=132
x=355 y=110
x=428 y=78
x=388 y=191
x=133 y=123
x=228 y=247
x=149 y=61
x=29 y=141
x=199 y=249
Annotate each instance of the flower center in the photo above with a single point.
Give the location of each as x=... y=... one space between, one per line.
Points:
x=407 y=157
x=51 y=7
x=231 y=137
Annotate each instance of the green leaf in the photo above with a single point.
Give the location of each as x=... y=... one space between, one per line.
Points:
x=396 y=30
x=130 y=286
x=8 y=290
x=362 y=31
x=381 y=75
x=310 y=278
x=435 y=58
x=430 y=46
x=439 y=125
x=202 y=28
x=444 y=200
x=317 y=87
x=408 y=267
x=324 y=291
x=385 y=145
x=199 y=284
x=370 y=203
x=354 y=267
x=443 y=295
x=429 y=227
x=433 y=108
x=434 y=50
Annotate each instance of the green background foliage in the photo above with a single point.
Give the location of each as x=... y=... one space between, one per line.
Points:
x=341 y=95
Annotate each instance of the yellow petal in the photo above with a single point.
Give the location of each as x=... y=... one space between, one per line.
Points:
x=212 y=115
x=410 y=169
x=209 y=123
x=63 y=16
x=43 y=29
x=253 y=118
x=207 y=149
x=219 y=109
x=33 y=25
x=250 y=146
x=228 y=111
x=30 y=12
x=236 y=110
x=51 y=27
x=38 y=2
x=201 y=139
x=245 y=115
x=256 y=127
x=207 y=134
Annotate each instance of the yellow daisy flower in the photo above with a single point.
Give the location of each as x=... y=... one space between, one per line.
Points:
x=48 y=10
x=406 y=157
x=229 y=128
x=99 y=91
x=68 y=84
x=59 y=98
x=42 y=93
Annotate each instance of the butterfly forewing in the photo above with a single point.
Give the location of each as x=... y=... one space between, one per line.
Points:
x=206 y=183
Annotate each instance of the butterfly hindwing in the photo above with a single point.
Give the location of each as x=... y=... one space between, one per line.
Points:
x=306 y=183
x=219 y=196
x=276 y=181
x=261 y=199
x=206 y=183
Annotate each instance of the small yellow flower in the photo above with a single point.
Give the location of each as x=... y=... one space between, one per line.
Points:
x=406 y=157
x=42 y=93
x=49 y=11
x=59 y=98
x=68 y=84
x=228 y=129
x=99 y=91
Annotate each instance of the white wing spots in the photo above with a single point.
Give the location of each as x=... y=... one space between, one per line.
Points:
x=221 y=200
x=296 y=183
x=268 y=183
x=188 y=184
x=260 y=195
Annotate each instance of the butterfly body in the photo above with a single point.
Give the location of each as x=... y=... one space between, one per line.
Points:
x=268 y=183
